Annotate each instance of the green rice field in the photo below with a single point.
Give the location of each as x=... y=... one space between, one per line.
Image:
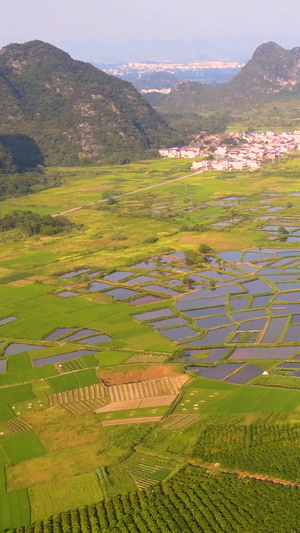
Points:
x=177 y=306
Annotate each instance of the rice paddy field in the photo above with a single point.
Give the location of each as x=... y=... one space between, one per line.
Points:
x=162 y=329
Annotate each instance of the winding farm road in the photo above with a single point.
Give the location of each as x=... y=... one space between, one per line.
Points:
x=128 y=193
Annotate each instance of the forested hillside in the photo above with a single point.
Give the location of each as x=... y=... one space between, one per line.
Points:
x=70 y=111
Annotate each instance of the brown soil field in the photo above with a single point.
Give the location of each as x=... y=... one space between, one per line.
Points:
x=119 y=406
x=159 y=400
x=131 y=421
x=134 y=376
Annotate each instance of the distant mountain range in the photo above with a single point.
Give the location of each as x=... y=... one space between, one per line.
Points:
x=272 y=74
x=155 y=80
x=60 y=111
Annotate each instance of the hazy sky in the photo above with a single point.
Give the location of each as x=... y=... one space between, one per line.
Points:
x=57 y=21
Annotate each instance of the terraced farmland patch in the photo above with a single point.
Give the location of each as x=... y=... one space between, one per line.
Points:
x=86 y=406
x=146 y=358
x=147 y=471
x=146 y=389
x=80 y=395
x=104 y=480
x=181 y=421
x=15 y=426
x=70 y=366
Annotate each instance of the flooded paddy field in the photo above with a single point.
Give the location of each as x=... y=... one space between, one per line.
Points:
x=219 y=372
x=179 y=334
x=244 y=375
x=211 y=355
x=58 y=333
x=67 y=294
x=117 y=276
x=278 y=352
x=98 y=286
x=7 y=320
x=54 y=359
x=97 y=339
x=138 y=280
x=122 y=294
x=274 y=330
x=15 y=348
x=178 y=321
x=230 y=301
x=148 y=299
x=79 y=335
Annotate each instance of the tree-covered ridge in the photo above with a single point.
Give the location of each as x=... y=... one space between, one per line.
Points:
x=191 y=501
x=72 y=110
x=259 y=448
x=20 y=184
x=271 y=76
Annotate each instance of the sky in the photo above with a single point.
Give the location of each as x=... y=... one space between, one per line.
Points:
x=81 y=24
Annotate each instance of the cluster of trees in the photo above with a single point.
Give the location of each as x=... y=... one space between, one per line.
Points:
x=194 y=257
x=200 y=228
x=270 y=449
x=6 y=161
x=187 y=125
x=16 y=185
x=192 y=501
x=33 y=224
x=21 y=167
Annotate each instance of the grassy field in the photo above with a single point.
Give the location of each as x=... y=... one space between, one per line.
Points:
x=112 y=445
x=73 y=380
x=216 y=398
x=133 y=413
x=63 y=495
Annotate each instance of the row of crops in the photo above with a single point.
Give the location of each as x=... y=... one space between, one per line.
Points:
x=192 y=501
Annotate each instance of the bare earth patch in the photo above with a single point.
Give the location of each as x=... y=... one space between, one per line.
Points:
x=134 y=376
x=139 y=403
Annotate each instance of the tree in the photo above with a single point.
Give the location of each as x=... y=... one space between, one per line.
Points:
x=192 y=257
x=179 y=353
x=205 y=249
x=282 y=230
x=111 y=201
x=188 y=282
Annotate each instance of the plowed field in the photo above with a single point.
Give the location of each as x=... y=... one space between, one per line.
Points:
x=134 y=376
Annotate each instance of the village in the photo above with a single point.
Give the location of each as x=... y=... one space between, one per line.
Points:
x=236 y=151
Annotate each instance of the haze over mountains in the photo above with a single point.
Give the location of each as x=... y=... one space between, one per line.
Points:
x=272 y=74
x=118 y=50
x=69 y=110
